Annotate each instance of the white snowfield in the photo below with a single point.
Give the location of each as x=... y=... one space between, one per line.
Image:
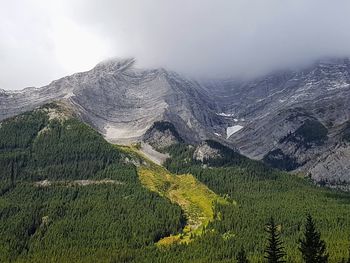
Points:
x=233 y=129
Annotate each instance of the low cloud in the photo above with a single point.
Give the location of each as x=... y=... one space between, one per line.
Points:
x=203 y=38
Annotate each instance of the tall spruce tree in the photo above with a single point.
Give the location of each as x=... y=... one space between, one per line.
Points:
x=274 y=250
x=242 y=256
x=312 y=248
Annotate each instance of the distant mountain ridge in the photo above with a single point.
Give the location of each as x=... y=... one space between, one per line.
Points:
x=278 y=105
x=263 y=116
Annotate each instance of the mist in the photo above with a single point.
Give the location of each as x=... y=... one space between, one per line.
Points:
x=41 y=41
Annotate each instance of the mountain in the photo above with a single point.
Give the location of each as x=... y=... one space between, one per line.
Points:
x=123 y=102
x=293 y=120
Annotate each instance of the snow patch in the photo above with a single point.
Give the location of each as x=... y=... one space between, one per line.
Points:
x=225 y=114
x=217 y=134
x=233 y=129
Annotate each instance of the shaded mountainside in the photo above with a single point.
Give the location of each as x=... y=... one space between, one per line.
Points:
x=295 y=119
x=270 y=118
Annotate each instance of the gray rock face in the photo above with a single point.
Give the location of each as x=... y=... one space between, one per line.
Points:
x=274 y=106
x=161 y=140
x=122 y=102
x=332 y=166
x=162 y=135
x=205 y=152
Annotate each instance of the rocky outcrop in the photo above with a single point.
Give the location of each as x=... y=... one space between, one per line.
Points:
x=205 y=152
x=161 y=135
x=332 y=167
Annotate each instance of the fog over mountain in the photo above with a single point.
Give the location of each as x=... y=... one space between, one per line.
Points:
x=292 y=120
x=164 y=131
x=42 y=40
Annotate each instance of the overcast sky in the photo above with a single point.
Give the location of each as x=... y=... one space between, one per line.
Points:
x=42 y=40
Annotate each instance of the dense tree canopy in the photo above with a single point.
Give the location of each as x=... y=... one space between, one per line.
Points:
x=72 y=222
x=121 y=221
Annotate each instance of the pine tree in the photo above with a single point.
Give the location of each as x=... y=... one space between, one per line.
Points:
x=274 y=250
x=242 y=256
x=312 y=248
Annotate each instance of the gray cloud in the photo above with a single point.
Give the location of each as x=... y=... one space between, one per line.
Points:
x=204 y=37
x=24 y=46
x=224 y=37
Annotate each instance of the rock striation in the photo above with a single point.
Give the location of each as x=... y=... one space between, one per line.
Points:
x=122 y=102
x=294 y=120
x=274 y=108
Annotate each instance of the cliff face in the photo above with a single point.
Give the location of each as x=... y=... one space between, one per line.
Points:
x=293 y=120
x=122 y=102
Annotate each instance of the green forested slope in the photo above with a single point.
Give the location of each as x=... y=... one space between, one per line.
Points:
x=65 y=222
x=119 y=220
x=262 y=192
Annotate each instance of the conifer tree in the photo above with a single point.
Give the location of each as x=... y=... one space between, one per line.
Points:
x=242 y=256
x=312 y=248
x=274 y=250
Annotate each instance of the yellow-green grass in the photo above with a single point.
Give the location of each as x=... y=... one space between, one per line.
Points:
x=195 y=198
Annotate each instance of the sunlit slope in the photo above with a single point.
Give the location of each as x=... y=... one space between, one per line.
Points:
x=196 y=199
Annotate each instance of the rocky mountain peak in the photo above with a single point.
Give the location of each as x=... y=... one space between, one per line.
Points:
x=122 y=102
x=115 y=65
